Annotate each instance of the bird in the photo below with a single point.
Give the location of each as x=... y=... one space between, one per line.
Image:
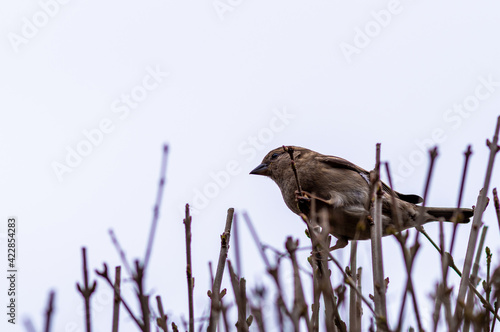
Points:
x=343 y=190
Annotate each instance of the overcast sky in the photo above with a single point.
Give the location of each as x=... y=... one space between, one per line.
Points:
x=91 y=90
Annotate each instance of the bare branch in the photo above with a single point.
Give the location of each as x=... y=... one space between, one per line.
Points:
x=215 y=294
x=85 y=290
x=156 y=210
x=116 y=302
x=49 y=311
x=189 y=269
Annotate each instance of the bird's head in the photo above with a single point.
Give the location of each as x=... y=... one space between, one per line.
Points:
x=276 y=161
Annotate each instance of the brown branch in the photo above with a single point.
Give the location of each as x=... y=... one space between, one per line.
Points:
x=162 y=320
x=457 y=213
x=215 y=294
x=239 y=290
x=376 y=245
x=354 y=319
x=105 y=275
x=469 y=307
x=49 y=311
x=299 y=309
x=85 y=290
x=256 y=239
x=289 y=149
x=156 y=210
x=189 y=269
x=487 y=284
x=116 y=302
x=497 y=205
x=120 y=251
x=236 y=241
x=138 y=277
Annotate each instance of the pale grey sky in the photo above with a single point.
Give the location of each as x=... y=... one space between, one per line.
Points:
x=91 y=90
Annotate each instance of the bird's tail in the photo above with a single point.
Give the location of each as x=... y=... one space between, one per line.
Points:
x=447 y=213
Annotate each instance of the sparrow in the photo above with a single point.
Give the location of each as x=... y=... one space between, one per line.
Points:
x=343 y=189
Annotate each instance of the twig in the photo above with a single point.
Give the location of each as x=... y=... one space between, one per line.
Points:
x=256 y=239
x=162 y=320
x=257 y=314
x=49 y=311
x=442 y=288
x=85 y=290
x=138 y=277
x=474 y=280
x=120 y=251
x=321 y=243
x=236 y=241
x=116 y=302
x=456 y=215
x=496 y=311
x=189 y=269
x=215 y=294
x=239 y=289
x=497 y=205
x=476 y=222
x=156 y=210
x=28 y=325
x=289 y=149
x=376 y=245
x=487 y=283
x=433 y=153
x=359 y=308
x=105 y=275
x=299 y=309
x=354 y=322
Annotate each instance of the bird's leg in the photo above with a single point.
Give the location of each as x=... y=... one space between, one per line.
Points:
x=303 y=201
x=341 y=243
x=308 y=196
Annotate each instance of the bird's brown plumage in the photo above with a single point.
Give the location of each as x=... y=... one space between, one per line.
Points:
x=343 y=188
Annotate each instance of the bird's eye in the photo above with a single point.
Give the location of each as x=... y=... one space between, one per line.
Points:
x=274 y=156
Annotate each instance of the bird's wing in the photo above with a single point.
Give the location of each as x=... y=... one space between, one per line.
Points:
x=338 y=162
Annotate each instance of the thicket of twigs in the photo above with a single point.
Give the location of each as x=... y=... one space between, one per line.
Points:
x=472 y=304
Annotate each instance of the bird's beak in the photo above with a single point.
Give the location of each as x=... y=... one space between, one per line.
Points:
x=262 y=169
